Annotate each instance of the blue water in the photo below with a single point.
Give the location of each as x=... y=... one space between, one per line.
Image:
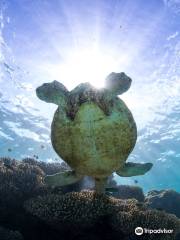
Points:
x=45 y=40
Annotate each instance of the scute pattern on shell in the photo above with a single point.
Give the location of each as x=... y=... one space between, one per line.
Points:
x=94 y=144
x=87 y=93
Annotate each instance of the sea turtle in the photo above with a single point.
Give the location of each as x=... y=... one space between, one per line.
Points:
x=93 y=131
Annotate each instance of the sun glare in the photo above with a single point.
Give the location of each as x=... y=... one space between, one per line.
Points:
x=85 y=66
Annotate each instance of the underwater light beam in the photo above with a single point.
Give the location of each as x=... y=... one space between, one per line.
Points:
x=84 y=66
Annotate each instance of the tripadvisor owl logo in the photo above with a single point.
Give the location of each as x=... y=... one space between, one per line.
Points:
x=139 y=231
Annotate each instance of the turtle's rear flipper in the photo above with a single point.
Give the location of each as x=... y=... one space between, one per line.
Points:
x=62 y=178
x=134 y=169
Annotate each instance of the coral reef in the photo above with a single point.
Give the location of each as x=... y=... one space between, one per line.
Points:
x=34 y=211
x=127 y=222
x=53 y=168
x=167 y=200
x=48 y=168
x=128 y=192
x=6 y=234
x=75 y=211
x=18 y=180
x=72 y=209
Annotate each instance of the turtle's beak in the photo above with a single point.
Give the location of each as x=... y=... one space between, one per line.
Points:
x=39 y=92
x=129 y=81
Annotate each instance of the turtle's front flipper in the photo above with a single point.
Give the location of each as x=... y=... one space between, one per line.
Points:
x=54 y=92
x=134 y=169
x=117 y=83
x=62 y=179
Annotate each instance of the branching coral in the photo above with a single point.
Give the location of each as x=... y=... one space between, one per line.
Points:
x=56 y=167
x=127 y=222
x=73 y=211
x=23 y=176
x=128 y=192
x=48 y=168
x=18 y=180
x=85 y=209
x=6 y=234
x=74 y=208
x=168 y=200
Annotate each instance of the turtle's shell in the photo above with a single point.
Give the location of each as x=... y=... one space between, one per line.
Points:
x=93 y=143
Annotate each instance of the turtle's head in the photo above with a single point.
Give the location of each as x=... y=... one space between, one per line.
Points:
x=118 y=83
x=54 y=92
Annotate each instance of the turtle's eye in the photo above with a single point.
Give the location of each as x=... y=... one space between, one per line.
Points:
x=129 y=80
x=122 y=74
